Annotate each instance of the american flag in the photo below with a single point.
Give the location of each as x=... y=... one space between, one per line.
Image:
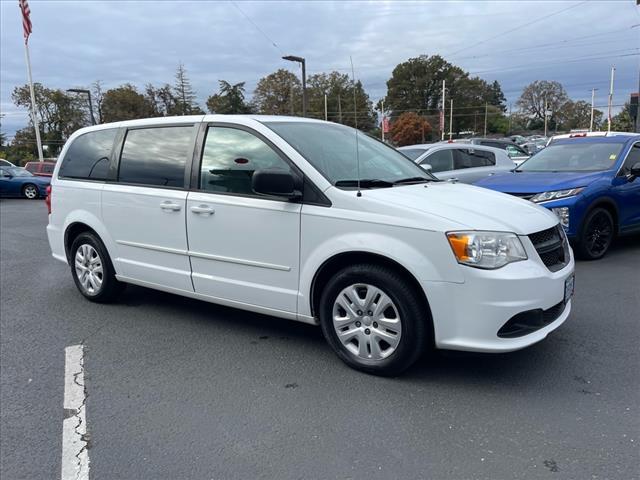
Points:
x=26 y=19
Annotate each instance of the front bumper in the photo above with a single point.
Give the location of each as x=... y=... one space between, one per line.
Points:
x=468 y=316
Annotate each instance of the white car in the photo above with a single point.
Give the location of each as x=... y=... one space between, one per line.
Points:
x=279 y=216
x=459 y=162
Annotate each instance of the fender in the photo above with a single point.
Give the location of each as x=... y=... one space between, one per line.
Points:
x=402 y=249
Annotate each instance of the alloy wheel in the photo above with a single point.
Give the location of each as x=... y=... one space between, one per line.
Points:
x=599 y=234
x=30 y=192
x=89 y=271
x=367 y=322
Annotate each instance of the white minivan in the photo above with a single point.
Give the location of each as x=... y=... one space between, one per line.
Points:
x=310 y=221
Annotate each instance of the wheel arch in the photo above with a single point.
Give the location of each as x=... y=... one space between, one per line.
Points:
x=608 y=204
x=86 y=223
x=344 y=259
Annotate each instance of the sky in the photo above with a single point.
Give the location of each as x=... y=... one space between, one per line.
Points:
x=75 y=43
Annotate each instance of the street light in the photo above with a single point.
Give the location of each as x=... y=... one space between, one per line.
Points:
x=300 y=60
x=80 y=90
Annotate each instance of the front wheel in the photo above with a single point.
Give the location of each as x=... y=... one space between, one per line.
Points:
x=30 y=191
x=597 y=234
x=373 y=319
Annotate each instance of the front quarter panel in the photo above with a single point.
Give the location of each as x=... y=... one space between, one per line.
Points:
x=325 y=233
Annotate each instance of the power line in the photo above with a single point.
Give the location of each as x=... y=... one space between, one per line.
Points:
x=539 y=19
x=258 y=28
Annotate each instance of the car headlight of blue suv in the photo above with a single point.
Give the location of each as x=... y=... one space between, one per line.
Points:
x=556 y=195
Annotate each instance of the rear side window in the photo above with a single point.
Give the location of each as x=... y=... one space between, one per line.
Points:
x=156 y=156
x=471 y=158
x=440 y=160
x=88 y=156
x=31 y=167
x=48 y=168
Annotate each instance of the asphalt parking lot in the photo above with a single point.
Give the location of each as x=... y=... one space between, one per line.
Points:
x=181 y=389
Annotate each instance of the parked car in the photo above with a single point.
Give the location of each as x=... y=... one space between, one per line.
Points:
x=515 y=152
x=590 y=182
x=283 y=218
x=534 y=146
x=6 y=163
x=17 y=182
x=518 y=139
x=459 y=162
x=40 y=169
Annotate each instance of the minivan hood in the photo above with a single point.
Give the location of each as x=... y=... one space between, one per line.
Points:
x=467 y=206
x=536 y=182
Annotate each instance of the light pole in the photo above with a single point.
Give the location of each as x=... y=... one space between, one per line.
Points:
x=80 y=90
x=301 y=61
x=593 y=106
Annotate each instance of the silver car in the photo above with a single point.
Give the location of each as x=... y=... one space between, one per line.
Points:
x=458 y=162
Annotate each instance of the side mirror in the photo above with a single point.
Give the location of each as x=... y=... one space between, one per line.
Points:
x=275 y=182
x=634 y=172
x=427 y=167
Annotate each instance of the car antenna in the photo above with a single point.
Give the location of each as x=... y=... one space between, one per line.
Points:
x=355 y=120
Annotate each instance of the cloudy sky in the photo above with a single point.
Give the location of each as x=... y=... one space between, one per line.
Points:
x=75 y=43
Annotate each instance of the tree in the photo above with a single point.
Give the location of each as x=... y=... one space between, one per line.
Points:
x=409 y=129
x=279 y=93
x=229 y=100
x=125 y=103
x=186 y=97
x=577 y=115
x=97 y=97
x=59 y=114
x=340 y=89
x=416 y=85
x=622 y=122
x=533 y=98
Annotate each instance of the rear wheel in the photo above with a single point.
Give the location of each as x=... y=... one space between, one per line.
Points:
x=30 y=191
x=92 y=270
x=597 y=234
x=373 y=319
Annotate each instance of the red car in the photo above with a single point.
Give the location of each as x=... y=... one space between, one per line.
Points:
x=40 y=169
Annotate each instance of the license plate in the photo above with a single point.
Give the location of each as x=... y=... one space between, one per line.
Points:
x=569 y=285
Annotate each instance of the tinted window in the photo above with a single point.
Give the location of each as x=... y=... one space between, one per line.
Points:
x=471 y=158
x=88 y=155
x=633 y=157
x=156 y=156
x=413 y=153
x=440 y=160
x=48 y=168
x=231 y=156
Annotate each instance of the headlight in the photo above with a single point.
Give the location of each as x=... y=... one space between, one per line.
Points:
x=487 y=250
x=556 y=195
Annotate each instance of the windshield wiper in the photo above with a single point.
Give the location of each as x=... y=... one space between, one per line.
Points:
x=364 y=183
x=412 y=180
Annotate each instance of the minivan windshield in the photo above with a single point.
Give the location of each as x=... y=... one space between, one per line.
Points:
x=573 y=157
x=331 y=149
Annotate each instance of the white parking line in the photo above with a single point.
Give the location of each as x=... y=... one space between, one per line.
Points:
x=75 y=456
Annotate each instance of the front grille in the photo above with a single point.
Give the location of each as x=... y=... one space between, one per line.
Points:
x=527 y=322
x=551 y=247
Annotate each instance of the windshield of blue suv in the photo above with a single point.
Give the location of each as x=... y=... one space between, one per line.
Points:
x=331 y=149
x=574 y=157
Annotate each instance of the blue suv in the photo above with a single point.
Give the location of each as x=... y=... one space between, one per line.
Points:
x=590 y=181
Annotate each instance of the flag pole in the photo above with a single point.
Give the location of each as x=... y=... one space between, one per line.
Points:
x=34 y=116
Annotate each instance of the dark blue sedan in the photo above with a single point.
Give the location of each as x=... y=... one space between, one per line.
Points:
x=590 y=181
x=17 y=182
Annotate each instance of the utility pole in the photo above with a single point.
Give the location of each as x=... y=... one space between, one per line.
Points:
x=291 y=100
x=510 y=105
x=339 y=110
x=613 y=71
x=593 y=105
x=444 y=87
x=451 y=120
x=486 y=113
x=545 y=116
x=382 y=124
x=325 y=107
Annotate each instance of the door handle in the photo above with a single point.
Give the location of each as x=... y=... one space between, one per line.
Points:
x=203 y=209
x=170 y=206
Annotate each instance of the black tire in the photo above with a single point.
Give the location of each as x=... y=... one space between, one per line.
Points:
x=110 y=287
x=596 y=235
x=30 y=187
x=414 y=315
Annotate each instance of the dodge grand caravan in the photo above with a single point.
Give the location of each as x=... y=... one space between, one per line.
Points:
x=310 y=221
